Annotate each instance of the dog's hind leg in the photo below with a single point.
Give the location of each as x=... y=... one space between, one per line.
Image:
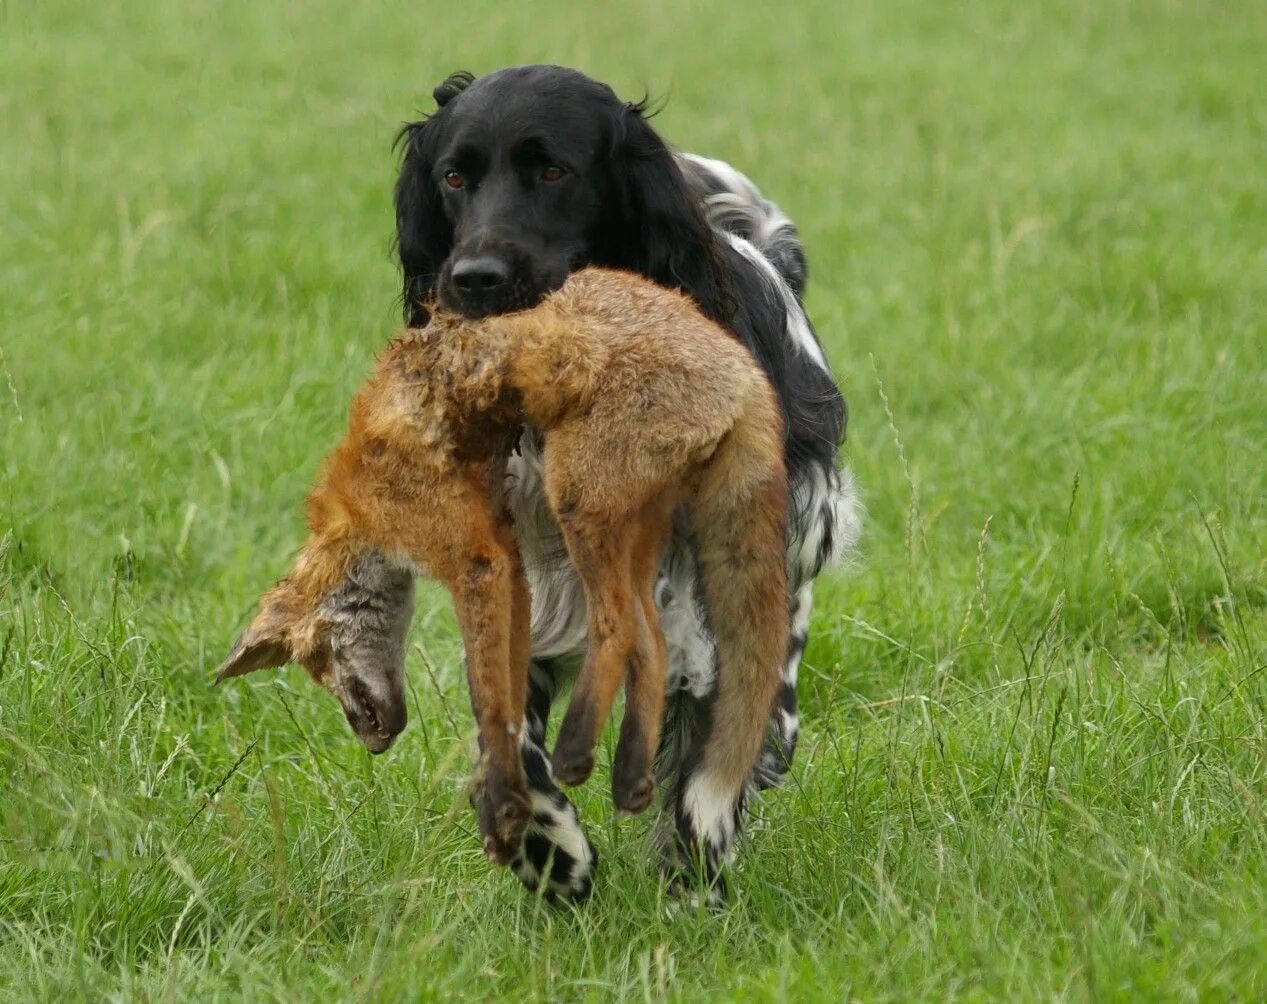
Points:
x=825 y=521
x=784 y=730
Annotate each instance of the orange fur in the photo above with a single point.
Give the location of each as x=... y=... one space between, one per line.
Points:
x=645 y=407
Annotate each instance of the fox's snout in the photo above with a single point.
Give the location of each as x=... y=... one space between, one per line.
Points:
x=376 y=719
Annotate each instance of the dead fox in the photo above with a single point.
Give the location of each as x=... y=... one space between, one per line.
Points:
x=647 y=409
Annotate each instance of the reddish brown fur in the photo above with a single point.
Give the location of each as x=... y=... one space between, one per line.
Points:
x=645 y=406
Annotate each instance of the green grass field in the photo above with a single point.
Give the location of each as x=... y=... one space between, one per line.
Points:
x=1033 y=758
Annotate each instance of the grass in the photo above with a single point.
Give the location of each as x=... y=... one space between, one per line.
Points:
x=1033 y=760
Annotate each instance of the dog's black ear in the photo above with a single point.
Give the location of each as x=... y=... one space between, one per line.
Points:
x=659 y=228
x=452 y=85
x=424 y=235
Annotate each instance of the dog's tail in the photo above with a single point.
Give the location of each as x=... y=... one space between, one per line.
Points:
x=732 y=203
x=738 y=523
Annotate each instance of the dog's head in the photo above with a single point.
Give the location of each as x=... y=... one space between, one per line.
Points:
x=524 y=175
x=344 y=619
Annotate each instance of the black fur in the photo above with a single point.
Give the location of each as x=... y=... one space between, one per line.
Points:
x=622 y=202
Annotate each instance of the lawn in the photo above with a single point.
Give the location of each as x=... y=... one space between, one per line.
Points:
x=1034 y=708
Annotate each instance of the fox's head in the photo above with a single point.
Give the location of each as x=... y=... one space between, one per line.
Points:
x=343 y=617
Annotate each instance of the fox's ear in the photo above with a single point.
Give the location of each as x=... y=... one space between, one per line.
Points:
x=263 y=645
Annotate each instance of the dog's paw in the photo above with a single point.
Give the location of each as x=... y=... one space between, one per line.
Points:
x=693 y=889
x=556 y=856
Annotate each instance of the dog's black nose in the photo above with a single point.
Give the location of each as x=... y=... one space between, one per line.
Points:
x=480 y=275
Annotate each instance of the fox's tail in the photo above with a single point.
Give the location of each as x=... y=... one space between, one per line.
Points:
x=738 y=521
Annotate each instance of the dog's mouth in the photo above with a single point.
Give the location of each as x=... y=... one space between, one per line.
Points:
x=526 y=287
x=516 y=297
x=375 y=724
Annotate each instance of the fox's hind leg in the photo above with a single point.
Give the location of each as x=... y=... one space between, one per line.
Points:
x=633 y=785
x=602 y=552
x=483 y=587
x=468 y=544
x=520 y=615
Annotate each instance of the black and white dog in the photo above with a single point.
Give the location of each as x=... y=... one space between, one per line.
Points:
x=520 y=177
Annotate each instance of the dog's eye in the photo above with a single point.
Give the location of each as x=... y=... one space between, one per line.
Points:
x=552 y=172
x=454 y=180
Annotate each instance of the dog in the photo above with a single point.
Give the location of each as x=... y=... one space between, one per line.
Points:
x=520 y=178
x=648 y=410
